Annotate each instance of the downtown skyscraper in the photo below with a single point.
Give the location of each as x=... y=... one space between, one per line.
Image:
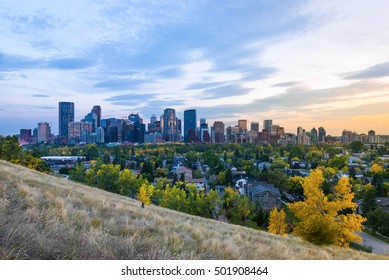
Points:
x=65 y=116
x=190 y=125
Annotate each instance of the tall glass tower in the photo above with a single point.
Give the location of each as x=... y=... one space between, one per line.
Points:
x=190 y=125
x=170 y=124
x=65 y=116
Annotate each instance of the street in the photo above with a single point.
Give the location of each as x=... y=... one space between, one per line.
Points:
x=379 y=247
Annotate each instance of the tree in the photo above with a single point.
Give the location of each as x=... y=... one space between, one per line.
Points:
x=147 y=171
x=77 y=173
x=369 y=199
x=295 y=185
x=338 y=162
x=174 y=198
x=375 y=168
x=145 y=193
x=108 y=177
x=325 y=222
x=214 y=205
x=356 y=146
x=277 y=224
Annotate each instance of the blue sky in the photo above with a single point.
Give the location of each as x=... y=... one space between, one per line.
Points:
x=308 y=63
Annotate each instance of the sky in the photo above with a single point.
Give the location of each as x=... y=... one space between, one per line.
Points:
x=299 y=63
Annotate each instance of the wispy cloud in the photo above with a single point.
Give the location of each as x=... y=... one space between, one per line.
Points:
x=40 y=95
x=224 y=91
x=376 y=71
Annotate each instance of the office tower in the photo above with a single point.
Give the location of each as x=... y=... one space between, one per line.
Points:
x=44 y=132
x=204 y=133
x=154 y=125
x=300 y=130
x=322 y=135
x=170 y=125
x=242 y=125
x=65 y=116
x=92 y=118
x=267 y=125
x=218 y=132
x=97 y=110
x=314 y=136
x=78 y=131
x=255 y=126
x=25 y=135
x=371 y=136
x=190 y=125
x=138 y=128
x=274 y=129
x=100 y=135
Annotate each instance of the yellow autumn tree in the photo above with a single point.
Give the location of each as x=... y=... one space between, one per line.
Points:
x=144 y=194
x=277 y=224
x=325 y=222
x=375 y=168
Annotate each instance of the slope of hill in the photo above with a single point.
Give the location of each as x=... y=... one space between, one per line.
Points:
x=45 y=217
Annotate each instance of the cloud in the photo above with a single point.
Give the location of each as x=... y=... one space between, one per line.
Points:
x=376 y=71
x=204 y=85
x=46 y=107
x=70 y=63
x=121 y=84
x=40 y=95
x=130 y=97
x=224 y=91
x=286 y=84
x=18 y=62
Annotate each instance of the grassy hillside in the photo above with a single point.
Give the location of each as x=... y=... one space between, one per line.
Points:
x=45 y=217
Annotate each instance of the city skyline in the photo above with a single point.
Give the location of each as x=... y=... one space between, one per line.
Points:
x=300 y=63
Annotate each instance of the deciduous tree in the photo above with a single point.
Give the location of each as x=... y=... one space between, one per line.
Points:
x=145 y=193
x=322 y=221
x=277 y=224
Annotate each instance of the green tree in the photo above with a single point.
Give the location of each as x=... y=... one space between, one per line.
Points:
x=369 y=196
x=356 y=146
x=77 y=173
x=175 y=198
x=214 y=203
x=338 y=162
x=147 y=171
x=108 y=177
x=295 y=185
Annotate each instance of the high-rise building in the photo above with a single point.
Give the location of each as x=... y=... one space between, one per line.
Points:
x=322 y=135
x=314 y=136
x=170 y=125
x=25 y=135
x=79 y=132
x=44 y=132
x=371 y=136
x=154 y=125
x=190 y=125
x=242 y=125
x=204 y=132
x=255 y=126
x=267 y=125
x=217 y=132
x=97 y=110
x=65 y=116
x=138 y=128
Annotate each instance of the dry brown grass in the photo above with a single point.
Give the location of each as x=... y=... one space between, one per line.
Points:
x=45 y=217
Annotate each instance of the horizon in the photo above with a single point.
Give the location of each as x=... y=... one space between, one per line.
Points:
x=301 y=63
x=230 y=123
